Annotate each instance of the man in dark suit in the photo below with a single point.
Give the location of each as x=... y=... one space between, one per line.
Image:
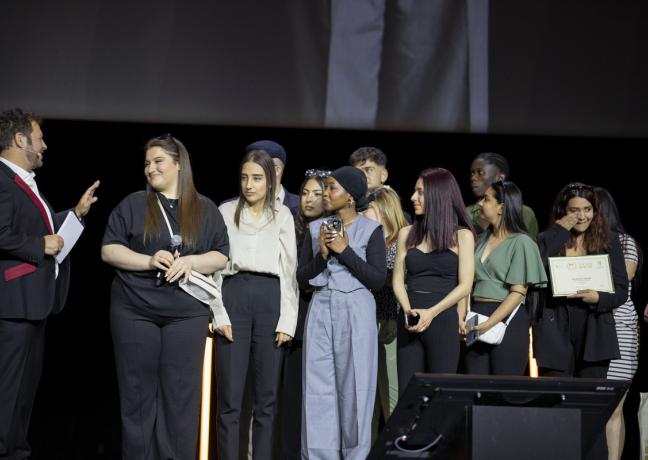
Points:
x=32 y=284
x=278 y=155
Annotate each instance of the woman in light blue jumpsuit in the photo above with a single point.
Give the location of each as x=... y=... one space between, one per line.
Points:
x=340 y=340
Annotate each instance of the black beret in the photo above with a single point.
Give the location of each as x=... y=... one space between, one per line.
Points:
x=353 y=180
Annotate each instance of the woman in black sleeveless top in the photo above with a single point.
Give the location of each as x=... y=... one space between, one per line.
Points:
x=437 y=251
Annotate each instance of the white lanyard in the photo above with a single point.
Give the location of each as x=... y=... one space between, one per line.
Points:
x=166 y=219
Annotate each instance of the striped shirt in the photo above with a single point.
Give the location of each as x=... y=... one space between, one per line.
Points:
x=627 y=324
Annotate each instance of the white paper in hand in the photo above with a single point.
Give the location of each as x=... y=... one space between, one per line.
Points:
x=70 y=231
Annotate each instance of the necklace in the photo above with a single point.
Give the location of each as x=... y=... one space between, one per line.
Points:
x=347 y=224
x=170 y=201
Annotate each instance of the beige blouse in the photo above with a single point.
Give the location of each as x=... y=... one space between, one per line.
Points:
x=263 y=245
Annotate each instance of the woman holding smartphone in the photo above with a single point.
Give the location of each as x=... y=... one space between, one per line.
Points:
x=342 y=259
x=507 y=262
x=437 y=252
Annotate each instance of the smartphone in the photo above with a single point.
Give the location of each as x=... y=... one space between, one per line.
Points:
x=411 y=320
x=334 y=223
x=472 y=335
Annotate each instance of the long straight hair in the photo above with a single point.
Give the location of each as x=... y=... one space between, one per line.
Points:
x=261 y=158
x=190 y=210
x=608 y=207
x=508 y=194
x=597 y=235
x=387 y=203
x=444 y=212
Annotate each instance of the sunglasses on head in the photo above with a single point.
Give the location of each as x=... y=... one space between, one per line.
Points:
x=578 y=187
x=323 y=173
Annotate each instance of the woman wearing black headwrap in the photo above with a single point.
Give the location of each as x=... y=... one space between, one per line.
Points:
x=342 y=260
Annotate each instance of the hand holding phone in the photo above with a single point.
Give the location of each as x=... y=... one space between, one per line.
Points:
x=334 y=224
x=410 y=320
x=472 y=335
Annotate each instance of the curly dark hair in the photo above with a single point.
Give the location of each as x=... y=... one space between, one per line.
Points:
x=597 y=235
x=15 y=121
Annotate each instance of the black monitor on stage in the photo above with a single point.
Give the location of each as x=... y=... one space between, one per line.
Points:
x=469 y=417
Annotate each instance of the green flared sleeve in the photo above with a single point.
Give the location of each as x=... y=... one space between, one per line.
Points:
x=525 y=264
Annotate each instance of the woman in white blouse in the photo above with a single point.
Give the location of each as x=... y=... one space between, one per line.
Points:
x=259 y=312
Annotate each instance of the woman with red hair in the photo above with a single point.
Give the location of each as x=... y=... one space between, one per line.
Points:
x=437 y=253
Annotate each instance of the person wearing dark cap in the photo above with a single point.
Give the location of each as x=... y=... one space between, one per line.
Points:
x=278 y=155
x=343 y=259
x=486 y=168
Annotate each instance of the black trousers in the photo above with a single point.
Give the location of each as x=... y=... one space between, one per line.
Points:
x=578 y=367
x=159 y=372
x=435 y=350
x=291 y=402
x=253 y=305
x=510 y=357
x=21 y=363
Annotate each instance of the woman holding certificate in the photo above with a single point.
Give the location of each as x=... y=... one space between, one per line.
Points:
x=576 y=335
x=507 y=263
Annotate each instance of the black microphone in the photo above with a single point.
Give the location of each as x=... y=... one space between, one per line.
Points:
x=174 y=243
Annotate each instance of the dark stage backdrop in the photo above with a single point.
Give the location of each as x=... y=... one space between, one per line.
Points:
x=109 y=74
x=76 y=415
x=505 y=66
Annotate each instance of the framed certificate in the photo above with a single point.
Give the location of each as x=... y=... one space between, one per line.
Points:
x=571 y=274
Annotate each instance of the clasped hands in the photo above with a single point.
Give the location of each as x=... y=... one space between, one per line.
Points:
x=332 y=240
x=425 y=316
x=172 y=265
